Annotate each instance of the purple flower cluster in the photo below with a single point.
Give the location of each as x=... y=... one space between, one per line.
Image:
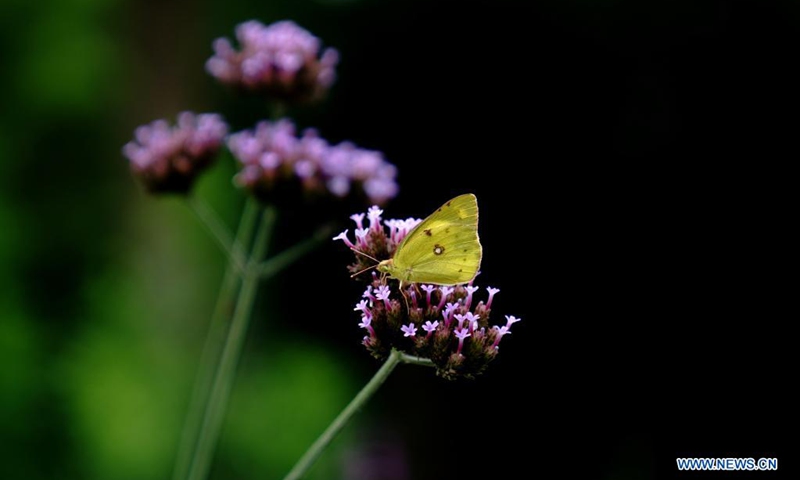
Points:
x=272 y=153
x=447 y=324
x=281 y=60
x=372 y=238
x=168 y=158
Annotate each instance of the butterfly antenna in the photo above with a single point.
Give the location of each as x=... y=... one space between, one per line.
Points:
x=362 y=271
x=366 y=255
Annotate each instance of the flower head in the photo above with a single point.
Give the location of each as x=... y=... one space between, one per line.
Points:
x=281 y=60
x=273 y=157
x=460 y=337
x=168 y=158
x=374 y=240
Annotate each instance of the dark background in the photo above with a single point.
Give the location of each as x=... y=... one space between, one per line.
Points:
x=632 y=162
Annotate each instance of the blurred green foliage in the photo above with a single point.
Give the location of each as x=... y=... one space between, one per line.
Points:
x=105 y=293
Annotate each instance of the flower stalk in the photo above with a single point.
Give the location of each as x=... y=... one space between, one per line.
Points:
x=313 y=453
x=216 y=335
x=225 y=340
x=219 y=232
x=231 y=352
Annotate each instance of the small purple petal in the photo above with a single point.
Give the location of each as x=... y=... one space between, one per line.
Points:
x=460 y=318
x=359 y=219
x=430 y=327
x=470 y=290
x=501 y=331
x=361 y=237
x=428 y=291
x=409 y=331
x=461 y=334
x=445 y=292
x=343 y=237
x=492 y=293
x=374 y=214
x=510 y=320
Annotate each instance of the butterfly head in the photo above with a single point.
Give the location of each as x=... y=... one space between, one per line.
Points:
x=386 y=266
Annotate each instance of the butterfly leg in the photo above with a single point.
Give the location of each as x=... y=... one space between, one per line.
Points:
x=405 y=297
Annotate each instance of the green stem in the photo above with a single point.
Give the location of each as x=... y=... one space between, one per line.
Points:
x=412 y=360
x=218 y=231
x=226 y=370
x=212 y=346
x=278 y=110
x=282 y=260
x=249 y=218
x=316 y=449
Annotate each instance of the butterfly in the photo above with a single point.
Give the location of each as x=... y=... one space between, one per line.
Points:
x=444 y=249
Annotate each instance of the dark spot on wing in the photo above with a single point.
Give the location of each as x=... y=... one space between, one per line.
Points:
x=448 y=204
x=460 y=270
x=439 y=209
x=465 y=250
x=427 y=232
x=447 y=230
x=438 y=249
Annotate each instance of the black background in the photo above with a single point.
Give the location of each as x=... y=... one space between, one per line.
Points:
x=632 y=162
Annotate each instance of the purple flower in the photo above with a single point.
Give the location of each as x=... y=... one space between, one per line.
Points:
x=492 y=293
x=460 y=318
x=430 y=328
x=409 y=330
x=374 y=214
x=472 y=321
x=413 y=295
x=361 y=237
x=343 y=237
x=271 y=155
x=461 y=334
x=383 y=293
x=445 y=292
x=368 y=294
x=428 y=291
x=470 y=290
x=366 y=322
x=359 y=219
x=511 y=320
x=500 y=332
x=449 y=310
x=373 y=241
x=281 y=60
x=363 y=307
x=168 y=158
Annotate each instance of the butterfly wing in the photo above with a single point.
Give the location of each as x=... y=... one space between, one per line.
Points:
x=444 y=249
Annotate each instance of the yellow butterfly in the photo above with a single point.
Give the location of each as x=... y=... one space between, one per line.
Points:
x=444 y=249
